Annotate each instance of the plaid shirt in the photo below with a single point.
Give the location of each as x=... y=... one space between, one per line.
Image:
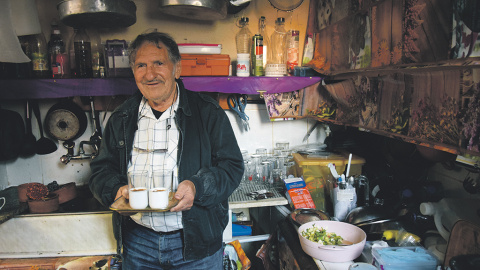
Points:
x=155 y=148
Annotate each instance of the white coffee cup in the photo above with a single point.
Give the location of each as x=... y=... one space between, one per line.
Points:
x=4 y=202
x=158 y=197
x=137 y=189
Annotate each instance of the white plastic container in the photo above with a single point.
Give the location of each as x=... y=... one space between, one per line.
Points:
x=243 y=64
x=448 y=211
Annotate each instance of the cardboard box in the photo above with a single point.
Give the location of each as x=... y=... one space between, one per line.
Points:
x=297 y=194
x=205 y=65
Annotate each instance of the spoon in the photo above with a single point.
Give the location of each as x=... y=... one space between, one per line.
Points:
x=43 y=145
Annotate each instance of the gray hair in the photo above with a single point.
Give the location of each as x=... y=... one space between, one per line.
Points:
x=156 y=38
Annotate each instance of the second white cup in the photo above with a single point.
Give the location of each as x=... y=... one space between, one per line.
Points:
x=158 y=197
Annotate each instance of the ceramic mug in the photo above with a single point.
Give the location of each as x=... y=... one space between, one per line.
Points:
x=138 y=189
x=158 y=197
x=4 y=202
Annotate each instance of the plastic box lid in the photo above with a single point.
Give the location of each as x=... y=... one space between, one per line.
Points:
x=401 y=258
x=199 y=48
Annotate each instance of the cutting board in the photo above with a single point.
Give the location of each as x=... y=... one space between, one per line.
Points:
x=464 y=239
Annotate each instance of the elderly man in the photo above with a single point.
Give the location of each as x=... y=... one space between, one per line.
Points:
x=166 y=127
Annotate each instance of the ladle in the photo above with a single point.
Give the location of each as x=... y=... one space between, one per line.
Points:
x=44 y=145
x=28 y=146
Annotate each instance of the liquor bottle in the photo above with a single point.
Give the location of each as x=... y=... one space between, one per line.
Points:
x=39 y=57
x=97 y=53
x=83 y=54
x=59 y=60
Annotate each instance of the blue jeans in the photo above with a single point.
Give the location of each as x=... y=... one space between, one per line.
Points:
x=146 y=249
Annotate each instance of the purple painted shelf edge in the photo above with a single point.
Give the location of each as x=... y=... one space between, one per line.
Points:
x=58 y=88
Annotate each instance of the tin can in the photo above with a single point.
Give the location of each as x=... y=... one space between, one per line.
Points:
x=257 y=55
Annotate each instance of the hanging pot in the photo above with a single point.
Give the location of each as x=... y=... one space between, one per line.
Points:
x=195 y=9
x=97 y=13
x=65 y=121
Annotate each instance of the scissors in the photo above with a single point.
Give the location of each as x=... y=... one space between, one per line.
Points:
x=238 y=104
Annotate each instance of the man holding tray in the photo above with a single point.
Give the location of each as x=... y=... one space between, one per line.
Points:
x=166 y=127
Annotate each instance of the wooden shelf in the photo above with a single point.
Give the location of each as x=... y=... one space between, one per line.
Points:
x=60 y=88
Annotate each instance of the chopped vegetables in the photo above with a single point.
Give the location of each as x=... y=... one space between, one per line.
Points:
x=320 y=235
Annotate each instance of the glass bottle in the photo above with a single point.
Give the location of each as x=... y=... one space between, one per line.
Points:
x=244 y=43
x=83 y=54
x=97 y=53
x=71 y=54
x=39 y=57
x=262 y=30
x=59 y=59
x=24 y=70
x=277 y=64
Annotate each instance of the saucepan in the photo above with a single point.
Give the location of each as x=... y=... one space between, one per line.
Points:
x=97 y=13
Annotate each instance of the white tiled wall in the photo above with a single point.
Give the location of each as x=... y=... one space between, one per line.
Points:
x=47 y=168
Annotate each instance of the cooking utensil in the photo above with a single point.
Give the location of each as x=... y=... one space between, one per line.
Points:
x=303 y=215
x=97 y=13
x=28 y=146
x=44 y=145
x=65 y=121
x=195 y=9
x=334 y=253
x=238 y=104
x=368 y=215
x=285 y=5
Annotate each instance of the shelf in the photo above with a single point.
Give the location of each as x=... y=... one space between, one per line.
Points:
x=59 y=88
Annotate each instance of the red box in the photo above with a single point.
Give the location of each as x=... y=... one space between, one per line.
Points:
x=205 y=65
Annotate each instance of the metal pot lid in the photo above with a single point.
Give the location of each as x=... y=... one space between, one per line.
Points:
x=205 y=10
x=64 y=125
x=285 y=5
x=97 y=13
x=303 y=215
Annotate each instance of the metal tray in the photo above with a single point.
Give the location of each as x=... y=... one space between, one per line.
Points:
x=121 y=205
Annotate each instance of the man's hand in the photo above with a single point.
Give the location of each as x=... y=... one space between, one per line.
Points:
x=123 y=191
x=185 y=194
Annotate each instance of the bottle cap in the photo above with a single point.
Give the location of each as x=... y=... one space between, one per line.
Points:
x=244 y=20
x=280 y=20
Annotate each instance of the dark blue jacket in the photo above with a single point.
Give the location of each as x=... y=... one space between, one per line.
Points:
x=208 y=155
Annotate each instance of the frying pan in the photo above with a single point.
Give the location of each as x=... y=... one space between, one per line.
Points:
x=65 y=121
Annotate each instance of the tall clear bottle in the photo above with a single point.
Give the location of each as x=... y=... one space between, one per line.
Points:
x=39 y=57
x=262 y=30
x=59 y=59
x=71 y=54
x=83 y=54
x=244 y=44
x=277 y=64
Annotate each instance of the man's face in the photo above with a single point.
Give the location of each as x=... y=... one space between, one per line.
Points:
x=155 y=75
